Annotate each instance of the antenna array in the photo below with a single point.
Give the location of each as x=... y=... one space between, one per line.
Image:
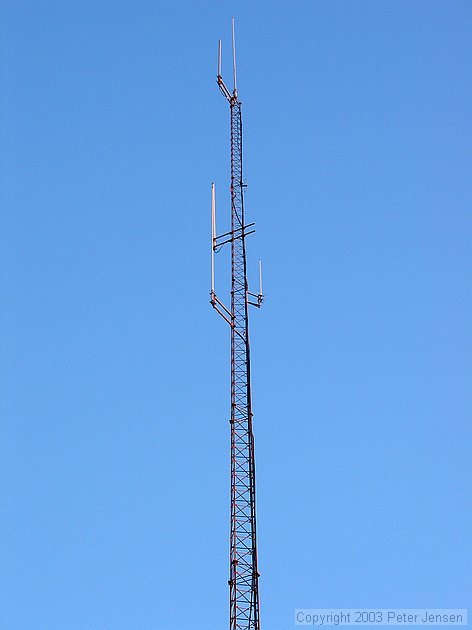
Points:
x=243 y=570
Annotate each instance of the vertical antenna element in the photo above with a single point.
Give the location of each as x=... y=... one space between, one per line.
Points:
x=219 y=58
x=235 y=91
x=260 y=277
x=213 y=239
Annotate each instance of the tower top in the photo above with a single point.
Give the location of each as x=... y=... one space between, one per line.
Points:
x=231 y=96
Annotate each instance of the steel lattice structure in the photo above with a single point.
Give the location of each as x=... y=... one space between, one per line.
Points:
x=243 y=569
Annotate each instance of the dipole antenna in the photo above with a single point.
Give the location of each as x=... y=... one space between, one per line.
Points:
x=243 y=568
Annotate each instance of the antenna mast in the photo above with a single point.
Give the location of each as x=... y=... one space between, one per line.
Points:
x=243 y=570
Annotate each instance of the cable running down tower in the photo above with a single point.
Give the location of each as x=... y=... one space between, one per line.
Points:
x=243 y=569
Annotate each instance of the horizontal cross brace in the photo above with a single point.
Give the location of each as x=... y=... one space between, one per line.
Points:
x=236 y=230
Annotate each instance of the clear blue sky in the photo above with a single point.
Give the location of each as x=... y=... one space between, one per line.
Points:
x=115 y=373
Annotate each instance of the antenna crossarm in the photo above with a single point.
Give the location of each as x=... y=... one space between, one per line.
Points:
x=214 y=301
x=227 y=315
x=224 y=90
x=259 y=297
x=236 y=230
x=234 y=235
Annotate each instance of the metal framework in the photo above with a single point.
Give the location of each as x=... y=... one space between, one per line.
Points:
x=243 y=569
